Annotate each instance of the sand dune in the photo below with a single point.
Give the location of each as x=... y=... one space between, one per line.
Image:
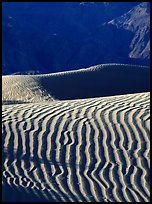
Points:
x=87 y=150
x=57 y=148
x=96 y=81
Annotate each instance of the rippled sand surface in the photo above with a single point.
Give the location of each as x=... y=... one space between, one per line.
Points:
x=79 y=150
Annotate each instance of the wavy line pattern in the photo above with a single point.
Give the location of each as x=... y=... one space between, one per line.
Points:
x=88 y=150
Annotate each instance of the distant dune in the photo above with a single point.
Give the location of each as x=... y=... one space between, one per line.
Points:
x=82 y=148
x=96 y=81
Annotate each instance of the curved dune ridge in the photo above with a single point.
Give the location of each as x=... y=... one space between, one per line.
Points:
x=85 y=150
x=96 y=81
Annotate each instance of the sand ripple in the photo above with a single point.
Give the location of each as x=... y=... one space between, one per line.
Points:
x=84 y=150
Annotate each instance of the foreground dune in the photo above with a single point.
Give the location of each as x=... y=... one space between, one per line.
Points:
x=80 y=150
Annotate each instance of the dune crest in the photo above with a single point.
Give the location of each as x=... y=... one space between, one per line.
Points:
x=96 y=81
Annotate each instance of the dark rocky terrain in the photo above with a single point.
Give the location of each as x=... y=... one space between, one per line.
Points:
x=57 y=36
x=136 y=21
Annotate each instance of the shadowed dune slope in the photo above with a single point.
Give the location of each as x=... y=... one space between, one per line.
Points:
x=96 y=81
x=84 y=150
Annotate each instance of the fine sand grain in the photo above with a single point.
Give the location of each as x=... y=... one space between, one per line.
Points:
x=79 y=150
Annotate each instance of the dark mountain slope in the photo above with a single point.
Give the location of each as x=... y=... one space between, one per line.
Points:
x=55 y=36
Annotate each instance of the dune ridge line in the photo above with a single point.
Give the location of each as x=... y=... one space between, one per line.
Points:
x=78 y=84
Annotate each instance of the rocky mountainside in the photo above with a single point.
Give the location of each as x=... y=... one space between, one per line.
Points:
x=58 y=36
x=136 y=21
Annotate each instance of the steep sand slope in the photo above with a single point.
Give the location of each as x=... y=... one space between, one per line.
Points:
x=93 y=149
x=97 y=81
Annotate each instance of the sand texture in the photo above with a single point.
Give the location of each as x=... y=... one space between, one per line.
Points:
x=73 y=150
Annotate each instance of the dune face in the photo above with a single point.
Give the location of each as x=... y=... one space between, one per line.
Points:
x=22 y=89
x=96 y=81
x=85 y=83
x=82 y=150
x=93 y=149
